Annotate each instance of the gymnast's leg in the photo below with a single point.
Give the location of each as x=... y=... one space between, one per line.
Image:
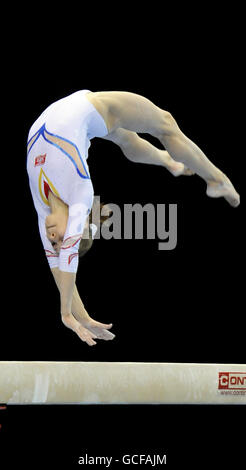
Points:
x=136 y=113
x=141 y=151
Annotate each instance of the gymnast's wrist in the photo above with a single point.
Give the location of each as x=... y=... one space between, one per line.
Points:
x=65 y=313
x=82 y=314
x=65 y=307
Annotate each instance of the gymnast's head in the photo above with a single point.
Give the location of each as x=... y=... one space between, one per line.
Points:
x=55 y=225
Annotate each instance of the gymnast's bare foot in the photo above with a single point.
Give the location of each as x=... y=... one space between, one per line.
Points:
x=175 y=168
x=179 y=168
x=223 y=189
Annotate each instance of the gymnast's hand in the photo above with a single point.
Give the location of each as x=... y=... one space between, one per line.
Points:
x=98 y=329
x=84 y=334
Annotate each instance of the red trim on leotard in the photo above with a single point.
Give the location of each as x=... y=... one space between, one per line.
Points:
x=70 y=258
x=73 y=244
x=46 y=189
x=50 y=254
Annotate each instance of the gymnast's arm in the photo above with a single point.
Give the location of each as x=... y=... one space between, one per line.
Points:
x=77 y=307
x=66 y=284
x=65 y=280
x=70 y=300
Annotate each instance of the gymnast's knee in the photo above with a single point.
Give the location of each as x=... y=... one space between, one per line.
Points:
x=167 y=126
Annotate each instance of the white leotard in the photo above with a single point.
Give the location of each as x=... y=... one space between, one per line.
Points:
x=57 y=151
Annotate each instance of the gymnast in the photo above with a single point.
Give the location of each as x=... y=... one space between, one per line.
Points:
x=61 y=187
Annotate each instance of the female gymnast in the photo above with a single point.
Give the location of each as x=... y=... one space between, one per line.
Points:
x=62 y=190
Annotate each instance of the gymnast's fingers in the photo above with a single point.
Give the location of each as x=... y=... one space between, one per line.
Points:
x=86 y=336
x=106 y=335
x=106 y=326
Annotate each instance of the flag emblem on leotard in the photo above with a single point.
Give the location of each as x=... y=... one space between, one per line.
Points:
x=40 y=160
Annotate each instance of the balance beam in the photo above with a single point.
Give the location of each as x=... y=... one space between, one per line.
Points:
x=121 y=383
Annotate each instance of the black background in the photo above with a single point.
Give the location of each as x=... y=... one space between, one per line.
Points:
x=183 y=305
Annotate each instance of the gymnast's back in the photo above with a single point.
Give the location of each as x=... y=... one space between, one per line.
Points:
x=73 y=117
